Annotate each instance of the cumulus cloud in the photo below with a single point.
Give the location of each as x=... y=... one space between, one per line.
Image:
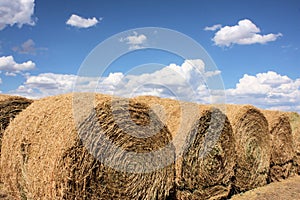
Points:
x=267 y=90
x=9 y=65
x=18 y=12
x=213 y=28
x=244 y=33
x=135 y=41
x=81 y=22
x=185 y=82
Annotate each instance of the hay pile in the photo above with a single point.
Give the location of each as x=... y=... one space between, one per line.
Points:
x=295 y=124
x=45 y=158
x=10 y=106
x=205 y=152
x=282 y=145
x=252 y=138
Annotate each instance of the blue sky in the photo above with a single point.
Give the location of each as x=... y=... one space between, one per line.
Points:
x=254 y=44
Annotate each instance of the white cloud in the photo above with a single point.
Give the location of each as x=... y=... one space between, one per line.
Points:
x=213 y=28
x=16 y=12
x=244 y=33
x=9 y=65
x=81 y=22
x=10 y=74
x=48 y=84
x=185 y=82
x=267 y=90
x=135 y=41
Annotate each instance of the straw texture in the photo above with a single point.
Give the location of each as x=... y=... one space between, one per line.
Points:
x=49 y=154
x=205 y=152
x=295 y=125
x=282 y=145
x=252 y=138
x=10 y=106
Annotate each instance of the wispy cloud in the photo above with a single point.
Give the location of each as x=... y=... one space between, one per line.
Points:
x=286 y=48
x=18 y=12
x=135 y=41
x=244 y=33
x=213 y=28
x=48 y=84
x=28 y=47
x=80 y=22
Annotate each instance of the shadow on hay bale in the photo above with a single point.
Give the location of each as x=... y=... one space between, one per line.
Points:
x=50 y=159
x=282 y=145
x=252 y=138
x=295 y=125
x=205 y=152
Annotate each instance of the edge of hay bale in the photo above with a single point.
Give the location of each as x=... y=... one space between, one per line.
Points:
x=10 y=107
x=282 y=145
x=250 y=128
x=205 y=152
x=295 y=125
x=207 y=167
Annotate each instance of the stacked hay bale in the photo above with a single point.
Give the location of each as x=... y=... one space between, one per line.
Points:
x=295 y=125
x=49 y=154
x=282 y=145
x=205 y=152
x=252 y=138
x=10 y=106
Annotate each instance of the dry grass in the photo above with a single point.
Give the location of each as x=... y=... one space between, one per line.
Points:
x=282 y=145
x=45 y=158
x=205 y=152
x=252 y=138
x=286 y=189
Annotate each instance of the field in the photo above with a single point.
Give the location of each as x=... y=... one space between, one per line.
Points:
x=287 y=189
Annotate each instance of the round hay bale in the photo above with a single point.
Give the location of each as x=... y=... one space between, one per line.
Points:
x=205 y=152
x=295 y=125
x=282 y=145
x=10 y=106
x=252 y=138
x=53 y=156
